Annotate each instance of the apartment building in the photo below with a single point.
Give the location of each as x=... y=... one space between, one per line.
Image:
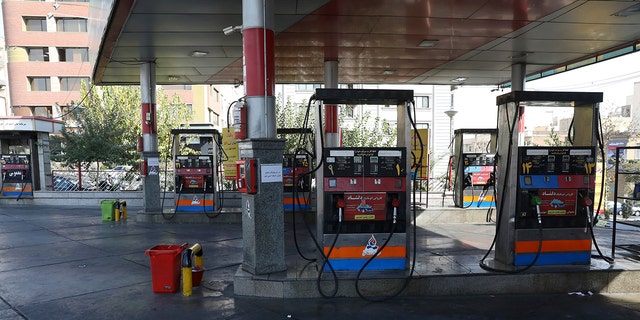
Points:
x=44 y=61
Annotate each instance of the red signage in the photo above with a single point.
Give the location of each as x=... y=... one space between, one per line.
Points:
x=365 y=206
x=558 y=202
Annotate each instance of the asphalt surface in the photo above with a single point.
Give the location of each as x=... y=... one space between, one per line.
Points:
x=66 y=263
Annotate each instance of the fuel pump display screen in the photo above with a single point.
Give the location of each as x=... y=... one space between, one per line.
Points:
x=364 y=162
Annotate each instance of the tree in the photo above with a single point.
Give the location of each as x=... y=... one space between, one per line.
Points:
x=104 y=126
x=290 y=116
x=367 y=132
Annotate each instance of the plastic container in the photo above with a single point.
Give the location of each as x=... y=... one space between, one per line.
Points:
x=108 y=209
x=197 y=274
x=165 y=267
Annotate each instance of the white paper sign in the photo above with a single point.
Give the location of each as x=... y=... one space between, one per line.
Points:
x=271 y=172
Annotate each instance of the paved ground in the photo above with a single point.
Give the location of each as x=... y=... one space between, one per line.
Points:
x=65 y=263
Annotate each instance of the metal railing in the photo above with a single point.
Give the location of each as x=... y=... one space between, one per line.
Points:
x=104 y=180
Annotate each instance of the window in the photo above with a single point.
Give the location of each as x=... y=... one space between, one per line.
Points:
x=71 y=25
x=38 y=54
x=307 y=87
x=422 y=102
x=35 y=24
x=72 y=83
x=73 y=54
x=39 y=83
x=348 y=111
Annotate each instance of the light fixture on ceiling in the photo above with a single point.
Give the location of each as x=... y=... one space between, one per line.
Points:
x=232 y=29
x=198 y=53
x=388 y=72
x=459 y=80
x=428 y=43
x=634 y=9
x=173 y=77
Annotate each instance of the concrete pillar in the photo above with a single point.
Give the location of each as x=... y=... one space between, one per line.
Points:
x=518 y=74
x=262 y=212
x=150 y=155
x=332 y=132
x=259 y=67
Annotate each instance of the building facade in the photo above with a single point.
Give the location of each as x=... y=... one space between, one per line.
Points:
x=44 y=63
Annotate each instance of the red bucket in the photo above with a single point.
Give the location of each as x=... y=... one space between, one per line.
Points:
x=197 y=273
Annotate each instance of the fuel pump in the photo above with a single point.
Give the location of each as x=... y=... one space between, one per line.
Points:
x=474 y=163
x=16 y=175
x=296 y=181
x=195 y=168
x=364 y=188
x=545 y=193
x=555 y=185
x=362 y=193
x=296 y=170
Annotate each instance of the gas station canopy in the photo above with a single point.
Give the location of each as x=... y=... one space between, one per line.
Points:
x=472 y=42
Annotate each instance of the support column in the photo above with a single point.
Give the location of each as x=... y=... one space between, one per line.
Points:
x=262 y=212
x=150 y=155
x=332 y=132
x=518 y=74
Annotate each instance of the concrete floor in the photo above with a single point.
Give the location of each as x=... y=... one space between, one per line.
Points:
x=65 y=263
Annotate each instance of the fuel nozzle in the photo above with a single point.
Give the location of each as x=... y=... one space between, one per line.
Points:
x=395 y=203
x=587 y=203
x=536 y=201
x=340 y=205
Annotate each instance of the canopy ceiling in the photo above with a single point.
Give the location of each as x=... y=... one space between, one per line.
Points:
x=374 y=41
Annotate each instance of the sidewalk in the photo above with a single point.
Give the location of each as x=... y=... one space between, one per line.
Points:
x=65 y=263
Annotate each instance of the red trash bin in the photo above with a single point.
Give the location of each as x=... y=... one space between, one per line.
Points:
x=165 y=267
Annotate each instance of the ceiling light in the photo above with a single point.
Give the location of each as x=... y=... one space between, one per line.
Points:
x=428 y=43
x=173 y=78
x=198 y=53
x=634 y=9
x=459 y=80
x=231 y=29
x=388 y=72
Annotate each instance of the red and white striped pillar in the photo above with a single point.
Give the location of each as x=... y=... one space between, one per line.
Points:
x=148 y=107
x=151 y=189
x=259 y=67
x=331 y=128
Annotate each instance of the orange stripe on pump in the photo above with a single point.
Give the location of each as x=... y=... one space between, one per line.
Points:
x=189 y=202
x=553 y=246
x=476 y=198
x=356 y=252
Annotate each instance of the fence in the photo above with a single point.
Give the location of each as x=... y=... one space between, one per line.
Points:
x=105 y=180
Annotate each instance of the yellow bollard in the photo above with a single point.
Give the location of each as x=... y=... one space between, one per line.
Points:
x=187 y=277
x=117 y=211
x=123 y=205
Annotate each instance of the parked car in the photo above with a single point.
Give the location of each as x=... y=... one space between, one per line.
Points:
x=64 y=184
x=609 y=206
